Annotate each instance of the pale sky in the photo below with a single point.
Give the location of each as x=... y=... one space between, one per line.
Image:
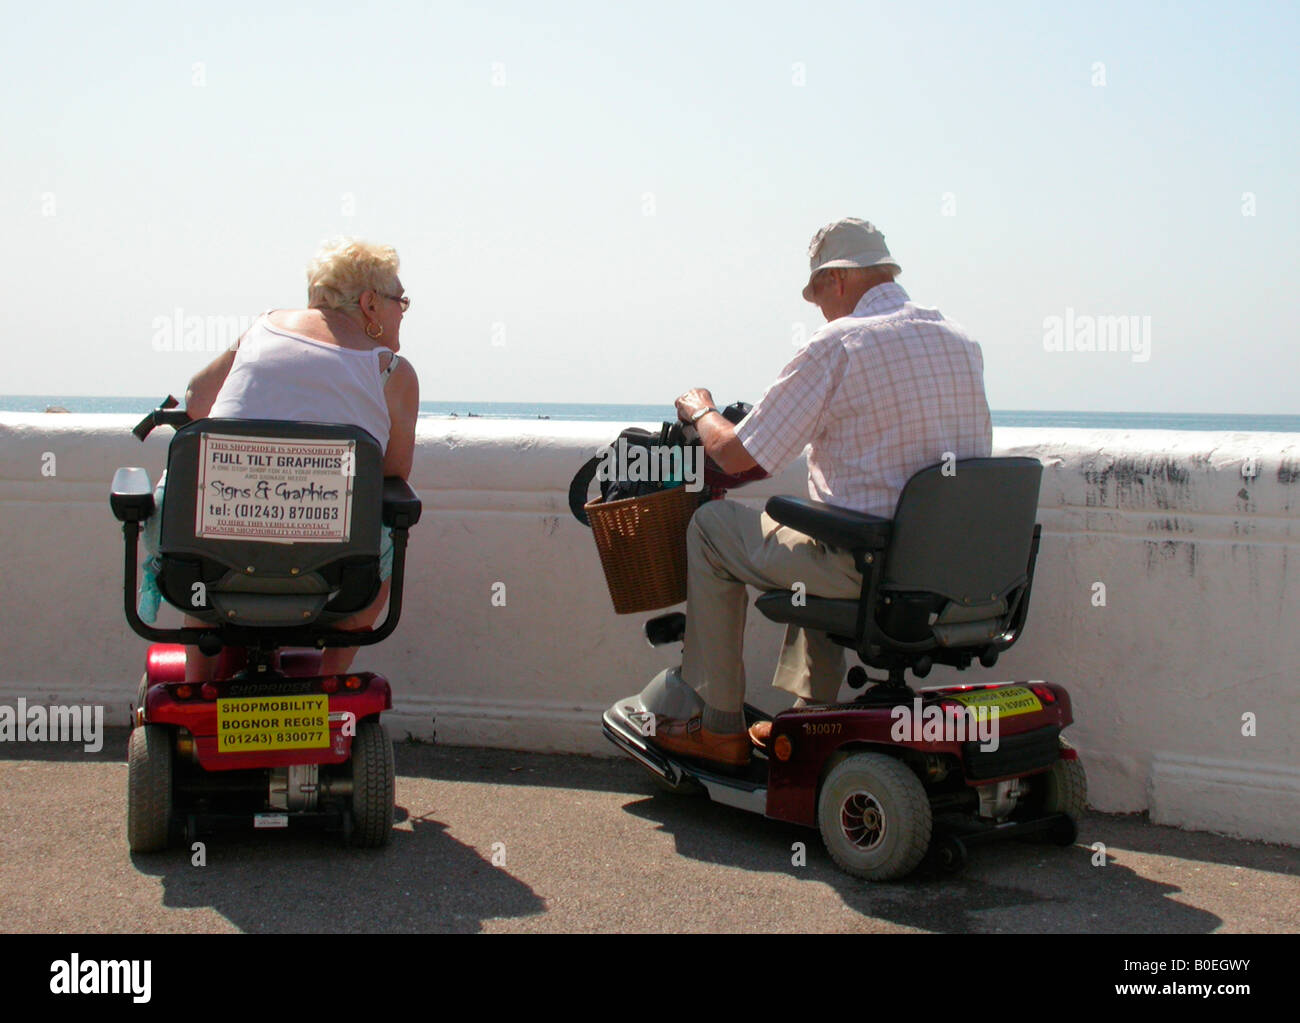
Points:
x=613 y=203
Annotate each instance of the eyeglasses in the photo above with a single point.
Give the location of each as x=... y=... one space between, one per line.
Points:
x=403 y=300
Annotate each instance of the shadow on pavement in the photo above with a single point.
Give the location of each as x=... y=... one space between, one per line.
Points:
x=427 y=880
x=424 y=880
x=506 y=767
x=1025 y=887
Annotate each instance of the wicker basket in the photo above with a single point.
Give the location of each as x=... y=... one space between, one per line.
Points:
x=642 y=547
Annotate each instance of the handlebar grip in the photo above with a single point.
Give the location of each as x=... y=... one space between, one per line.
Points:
x=166 y=414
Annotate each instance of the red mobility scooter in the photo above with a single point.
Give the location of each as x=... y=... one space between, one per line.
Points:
x=271 y=531
x=898 y=772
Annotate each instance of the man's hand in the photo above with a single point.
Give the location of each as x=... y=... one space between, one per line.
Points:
x=718 y=436
x=693 y=401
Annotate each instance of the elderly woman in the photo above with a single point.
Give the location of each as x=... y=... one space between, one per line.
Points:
x=334 y=362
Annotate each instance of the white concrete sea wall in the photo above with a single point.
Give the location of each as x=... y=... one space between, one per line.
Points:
x=1167 y=599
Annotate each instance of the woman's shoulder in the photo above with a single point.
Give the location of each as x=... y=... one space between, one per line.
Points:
x=403 y=373
x=402 y=388
x=312 y=325
x=299 y=321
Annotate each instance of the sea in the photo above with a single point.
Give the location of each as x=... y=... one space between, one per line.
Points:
x=631 y=414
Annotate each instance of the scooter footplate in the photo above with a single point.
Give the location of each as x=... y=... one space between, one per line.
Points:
x=617 y=730
x=744 y=793
x=745 y=788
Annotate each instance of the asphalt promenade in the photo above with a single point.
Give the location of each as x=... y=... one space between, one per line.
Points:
x=500 y=841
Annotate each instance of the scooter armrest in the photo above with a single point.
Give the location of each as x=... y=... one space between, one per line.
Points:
x=839 y=527
x=401 y=504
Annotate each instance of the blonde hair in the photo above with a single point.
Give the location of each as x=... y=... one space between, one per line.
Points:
x=345 y=267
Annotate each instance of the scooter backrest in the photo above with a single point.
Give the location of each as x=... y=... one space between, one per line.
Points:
x=965 y=534
x=271 y=523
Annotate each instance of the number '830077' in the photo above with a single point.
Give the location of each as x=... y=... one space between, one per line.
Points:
x=822 y=728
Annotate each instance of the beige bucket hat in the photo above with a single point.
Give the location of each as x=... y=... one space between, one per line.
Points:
x=845 y=243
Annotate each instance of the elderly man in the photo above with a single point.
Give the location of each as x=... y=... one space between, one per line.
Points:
x=885 y=389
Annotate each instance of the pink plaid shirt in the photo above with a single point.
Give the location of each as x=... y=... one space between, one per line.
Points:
x=880 y=395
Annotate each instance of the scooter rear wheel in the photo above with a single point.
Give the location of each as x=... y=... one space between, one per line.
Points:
x=874 y=817
x=149 y=789
x=141 y=691
x=372 y=786
x=1067 y=787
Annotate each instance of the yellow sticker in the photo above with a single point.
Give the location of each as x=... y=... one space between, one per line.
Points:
x=1009 y=700
x=273 y=723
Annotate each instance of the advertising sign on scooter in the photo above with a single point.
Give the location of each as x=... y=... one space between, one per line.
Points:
x=276 y=490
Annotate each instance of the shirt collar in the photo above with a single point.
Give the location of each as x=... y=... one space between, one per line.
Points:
x=880 y=300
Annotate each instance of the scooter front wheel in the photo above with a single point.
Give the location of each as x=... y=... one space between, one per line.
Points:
x=874 y=817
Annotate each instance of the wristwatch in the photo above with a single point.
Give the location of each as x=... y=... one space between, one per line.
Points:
x=702 y=413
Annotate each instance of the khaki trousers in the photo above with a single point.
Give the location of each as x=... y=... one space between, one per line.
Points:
x=728 y=547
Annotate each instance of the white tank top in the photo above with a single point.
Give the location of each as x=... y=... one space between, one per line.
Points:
x=279 y=375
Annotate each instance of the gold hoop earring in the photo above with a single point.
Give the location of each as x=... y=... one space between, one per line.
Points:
x=374 y=337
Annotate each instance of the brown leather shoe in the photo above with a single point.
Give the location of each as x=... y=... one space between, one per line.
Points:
x=760 y=733
x=689 y=738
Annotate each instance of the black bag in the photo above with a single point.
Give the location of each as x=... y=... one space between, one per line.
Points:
x=671 y=437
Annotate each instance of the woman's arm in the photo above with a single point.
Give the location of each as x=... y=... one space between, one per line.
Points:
x=206 y=383
x=402 y=391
